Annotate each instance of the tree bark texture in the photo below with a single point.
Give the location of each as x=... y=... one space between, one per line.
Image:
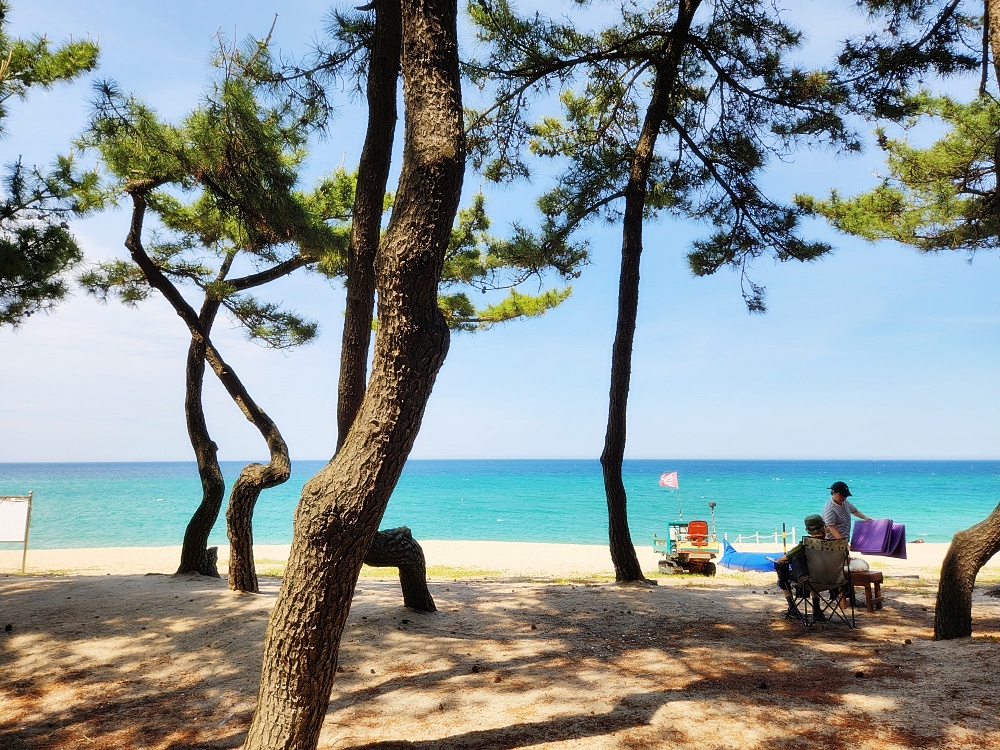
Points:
x=376 y=158
x=390 y=548
x=396 y=548
x=970 y=550
x=623 y=555
x=195 y=555
x=992 y=16
x=341 y=506
x=255 y=477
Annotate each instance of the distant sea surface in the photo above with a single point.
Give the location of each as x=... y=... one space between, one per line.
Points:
x=149 y=504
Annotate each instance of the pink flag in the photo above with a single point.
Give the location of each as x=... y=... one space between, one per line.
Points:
x=669 y=479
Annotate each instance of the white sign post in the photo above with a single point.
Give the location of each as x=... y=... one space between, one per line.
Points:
x=15 y=519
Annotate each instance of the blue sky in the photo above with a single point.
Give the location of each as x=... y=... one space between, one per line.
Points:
x=874 y=352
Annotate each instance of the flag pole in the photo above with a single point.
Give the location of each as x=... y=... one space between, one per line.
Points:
x=669 y=480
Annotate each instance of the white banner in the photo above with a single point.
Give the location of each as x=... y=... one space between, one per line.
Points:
x=14 y=519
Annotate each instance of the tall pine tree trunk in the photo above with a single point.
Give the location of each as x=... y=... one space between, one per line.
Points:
x=623 y=554
x=991 y=19
x=195 y=554
x=622 y=551
x=388 y=548
x=342 y=505
x=369 y=199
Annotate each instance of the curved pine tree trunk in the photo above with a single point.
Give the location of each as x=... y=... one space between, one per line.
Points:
x=970 y=550
x=388 y=547
x=254 y=478
x=196 y=556
x=396 y=548
x=622 y=551
x=366 y=223
x=340 y=507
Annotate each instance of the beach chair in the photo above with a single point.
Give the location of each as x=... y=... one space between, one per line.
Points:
x=827 y=584
x=697 y=533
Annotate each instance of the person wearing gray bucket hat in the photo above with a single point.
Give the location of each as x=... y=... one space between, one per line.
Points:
x=815 y=523
x=815 y=527
x=838 y=511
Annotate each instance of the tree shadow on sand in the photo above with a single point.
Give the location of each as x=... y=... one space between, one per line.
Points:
x=501 y=665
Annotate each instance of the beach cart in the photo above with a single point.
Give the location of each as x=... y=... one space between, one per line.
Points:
x=688 y=547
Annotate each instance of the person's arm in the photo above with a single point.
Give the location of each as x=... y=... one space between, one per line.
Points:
x=830 y=518
x=796 y=550
x=857 y=513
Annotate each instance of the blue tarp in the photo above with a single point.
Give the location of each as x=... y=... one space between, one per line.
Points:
x=756 y=561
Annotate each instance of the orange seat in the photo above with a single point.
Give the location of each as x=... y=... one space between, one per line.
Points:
x=697 y=532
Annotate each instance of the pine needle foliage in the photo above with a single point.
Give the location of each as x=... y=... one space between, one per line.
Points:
x=943 y=197
x=223 y=186
x=478 y=263
x=27 y=64
x=36 y=246
x=738 y=104
x=481 y=262
x=909 y=43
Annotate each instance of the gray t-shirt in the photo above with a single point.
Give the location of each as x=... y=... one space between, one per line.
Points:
x=838 y=516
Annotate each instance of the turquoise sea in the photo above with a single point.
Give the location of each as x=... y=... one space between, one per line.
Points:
x=149 y=504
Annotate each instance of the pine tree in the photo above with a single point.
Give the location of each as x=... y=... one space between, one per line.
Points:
x=362 y=51
x=222 y=187
x=676 y=109
x=36 y=246
x=340 y=508
x=935 y=199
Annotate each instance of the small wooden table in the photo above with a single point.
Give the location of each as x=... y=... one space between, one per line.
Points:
x=872 y=582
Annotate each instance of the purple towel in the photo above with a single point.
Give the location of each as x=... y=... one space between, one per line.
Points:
x=879 y=537
x=897 y=542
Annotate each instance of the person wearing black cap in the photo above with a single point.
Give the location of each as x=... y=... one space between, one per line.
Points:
x=838 y=511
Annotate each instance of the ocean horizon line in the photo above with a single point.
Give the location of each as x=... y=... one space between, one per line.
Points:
x=532 y=458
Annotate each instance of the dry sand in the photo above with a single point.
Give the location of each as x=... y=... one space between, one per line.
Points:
x=536 y=649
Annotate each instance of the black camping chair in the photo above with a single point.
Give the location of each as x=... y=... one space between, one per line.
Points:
x=822 y=591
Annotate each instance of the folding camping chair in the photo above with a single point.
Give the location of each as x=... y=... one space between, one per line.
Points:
x=826 y=560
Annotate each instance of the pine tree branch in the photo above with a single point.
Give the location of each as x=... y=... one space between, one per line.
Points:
x=948 y=11
x=726 y=77
x=737 y=201
x=270 y=274
x=227 y=376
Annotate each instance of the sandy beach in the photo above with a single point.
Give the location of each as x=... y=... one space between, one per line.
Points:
x=517 y=559
x=531 y=646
